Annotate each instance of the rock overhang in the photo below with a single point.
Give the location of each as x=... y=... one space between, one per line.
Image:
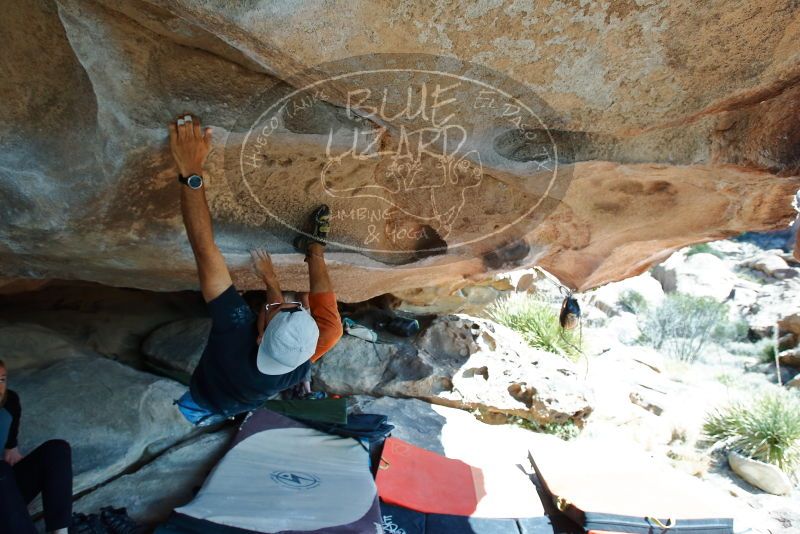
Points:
x=661 y=152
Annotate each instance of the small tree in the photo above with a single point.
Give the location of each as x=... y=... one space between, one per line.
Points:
x=682 y=324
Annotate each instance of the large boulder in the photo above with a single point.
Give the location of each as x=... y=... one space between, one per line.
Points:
x=625 y=327
x=453 y=432
x=28 y=345
x=762 y=303
x=175 y=348
x=762 y=475
x=112 y=415
x=617 y=296
x=701 y=275
x=108 y=320
x=651 y=132
x=772 y=265
x=790 y=358
x=790 y=324
x=787 y=373
x=153 y=491
x=634 y=398
x=465 y=362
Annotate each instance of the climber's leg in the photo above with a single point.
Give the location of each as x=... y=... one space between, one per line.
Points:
x=312 y=245
x=319 y=280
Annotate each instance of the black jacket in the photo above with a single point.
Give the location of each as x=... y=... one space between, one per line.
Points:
x=13 y=407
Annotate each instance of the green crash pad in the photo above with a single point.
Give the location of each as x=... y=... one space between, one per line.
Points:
x=323 y=411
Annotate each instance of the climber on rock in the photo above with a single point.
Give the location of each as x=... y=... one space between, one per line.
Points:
x=248 y=358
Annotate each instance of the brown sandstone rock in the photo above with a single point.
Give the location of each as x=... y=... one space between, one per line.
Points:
x=790 y=358
x=463 y=362
x=674 y=124
x=790 y=324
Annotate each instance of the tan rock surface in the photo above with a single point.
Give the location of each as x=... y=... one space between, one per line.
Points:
x=674 y=122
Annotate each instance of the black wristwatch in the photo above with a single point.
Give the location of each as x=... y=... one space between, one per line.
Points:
x=195 y=181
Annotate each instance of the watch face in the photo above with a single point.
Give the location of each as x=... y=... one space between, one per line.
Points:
x=195 y=181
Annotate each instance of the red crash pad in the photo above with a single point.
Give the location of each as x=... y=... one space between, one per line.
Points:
x=421 y=480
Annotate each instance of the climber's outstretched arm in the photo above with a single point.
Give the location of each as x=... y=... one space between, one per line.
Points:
x=190 y=145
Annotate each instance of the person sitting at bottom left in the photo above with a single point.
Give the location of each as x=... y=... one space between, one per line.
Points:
x=46 y=470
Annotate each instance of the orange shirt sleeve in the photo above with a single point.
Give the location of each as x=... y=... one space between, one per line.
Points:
x=326 y=315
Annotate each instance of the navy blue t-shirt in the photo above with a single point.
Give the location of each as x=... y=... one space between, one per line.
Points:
x=227 y=380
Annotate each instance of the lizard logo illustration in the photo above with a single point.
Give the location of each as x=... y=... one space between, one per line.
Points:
x=417 y=155
x=424 y=173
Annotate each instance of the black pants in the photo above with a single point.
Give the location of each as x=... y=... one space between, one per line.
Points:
x=47 y=470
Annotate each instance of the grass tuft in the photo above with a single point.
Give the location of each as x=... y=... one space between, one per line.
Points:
x=538 y=324
x=767 y=430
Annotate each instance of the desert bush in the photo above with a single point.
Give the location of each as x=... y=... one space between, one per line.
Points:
x=766 y=429
x=682 y=325
x=633 y=301
x=754 y=349
x=538 y=324
x=730 y=331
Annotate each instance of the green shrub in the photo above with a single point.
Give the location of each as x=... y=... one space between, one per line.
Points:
x=726 y=379
x=565 y=431
x=730 y=331
x=751 y=276
x=704 y=248
x=768 y=353
x=682 y=325
x=767 y=430
x=753 y=349
x=633 y=301
x=537 y=322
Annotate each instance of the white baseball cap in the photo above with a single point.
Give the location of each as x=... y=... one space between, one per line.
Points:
x=289 y=340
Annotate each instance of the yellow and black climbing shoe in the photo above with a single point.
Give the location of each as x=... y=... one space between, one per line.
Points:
x=321 y=222
x=317 y=227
